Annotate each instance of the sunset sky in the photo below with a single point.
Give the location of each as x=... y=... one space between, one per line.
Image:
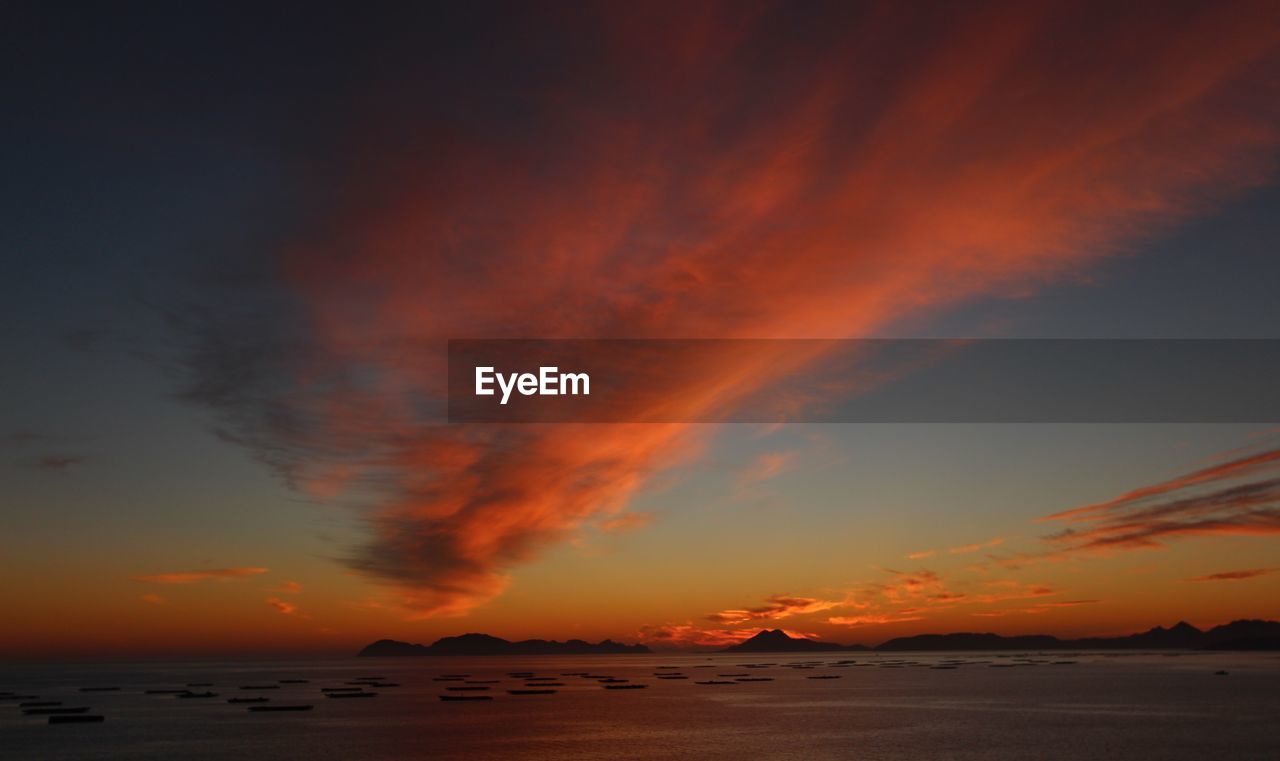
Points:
x=236 y=245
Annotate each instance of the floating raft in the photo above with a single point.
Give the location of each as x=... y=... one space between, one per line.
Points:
x=625 y=686
x=353 y=694
x=277 y=709
x=530 y=692
x=452 y=698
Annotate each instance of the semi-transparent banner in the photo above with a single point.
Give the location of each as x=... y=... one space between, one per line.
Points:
x=864 y=381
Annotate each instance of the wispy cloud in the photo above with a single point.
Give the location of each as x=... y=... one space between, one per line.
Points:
x=1007 y=589
x=967 y=548
x=1047 y=606
x=281 y=606
x=153 y=599
x=691 y=636
x=57 y=462
x=629 y=521
x=921 y=555
x=875 y=619
x=700 y=198
x=1227 y=499
x=765 y=466
x=910 y=585
x=1251 y=573
x=1251 y=465
x=195 y=577
x=778 y=607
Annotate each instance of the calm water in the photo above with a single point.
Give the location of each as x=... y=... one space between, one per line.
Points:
x=1102 y=706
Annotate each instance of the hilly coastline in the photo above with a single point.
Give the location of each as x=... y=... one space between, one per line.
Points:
x=1237 y=635
x=484 y=644
x=1250 y=634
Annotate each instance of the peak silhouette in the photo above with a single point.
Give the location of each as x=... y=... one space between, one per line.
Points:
x=1237 y=635
x=484 y=644
x=778 y=641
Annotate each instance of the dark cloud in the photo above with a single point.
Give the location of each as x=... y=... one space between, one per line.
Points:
x=1231 y=498
x=57 y=462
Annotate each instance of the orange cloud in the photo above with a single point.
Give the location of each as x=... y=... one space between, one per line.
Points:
x=1251 y=573
x=284 y=608
x=779 y=607
x=689 y=636
x=193 y=577
x=921 y=555
x=976 y=547
x=1228 y=499
x=1245 y=466
x=1045 y=606
x=289 y=588
x=630 y=521
x=879 y=618
x=895 y=167
x=1012 y=590
x=765 y=467
x=910 y=586
x=153 y=599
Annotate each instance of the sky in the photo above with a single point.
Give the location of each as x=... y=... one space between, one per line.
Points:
x=237 y=245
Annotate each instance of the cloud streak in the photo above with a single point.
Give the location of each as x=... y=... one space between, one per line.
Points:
x=1228 y=499
x=57 y=462
x=282 y=607
x=195 y=577
x=1251 y=573
x=684 y=185
x=778 y=607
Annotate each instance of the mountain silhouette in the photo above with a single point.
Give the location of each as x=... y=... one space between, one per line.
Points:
x=778 y=641
x=485 y=644
x=1237 y=635
x=1245 y=634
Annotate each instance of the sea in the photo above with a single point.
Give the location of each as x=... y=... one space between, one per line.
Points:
x=917 y=706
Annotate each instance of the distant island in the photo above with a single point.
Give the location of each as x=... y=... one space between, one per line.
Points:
x=484 y=644
x=1237 y=635
x=777 y=641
